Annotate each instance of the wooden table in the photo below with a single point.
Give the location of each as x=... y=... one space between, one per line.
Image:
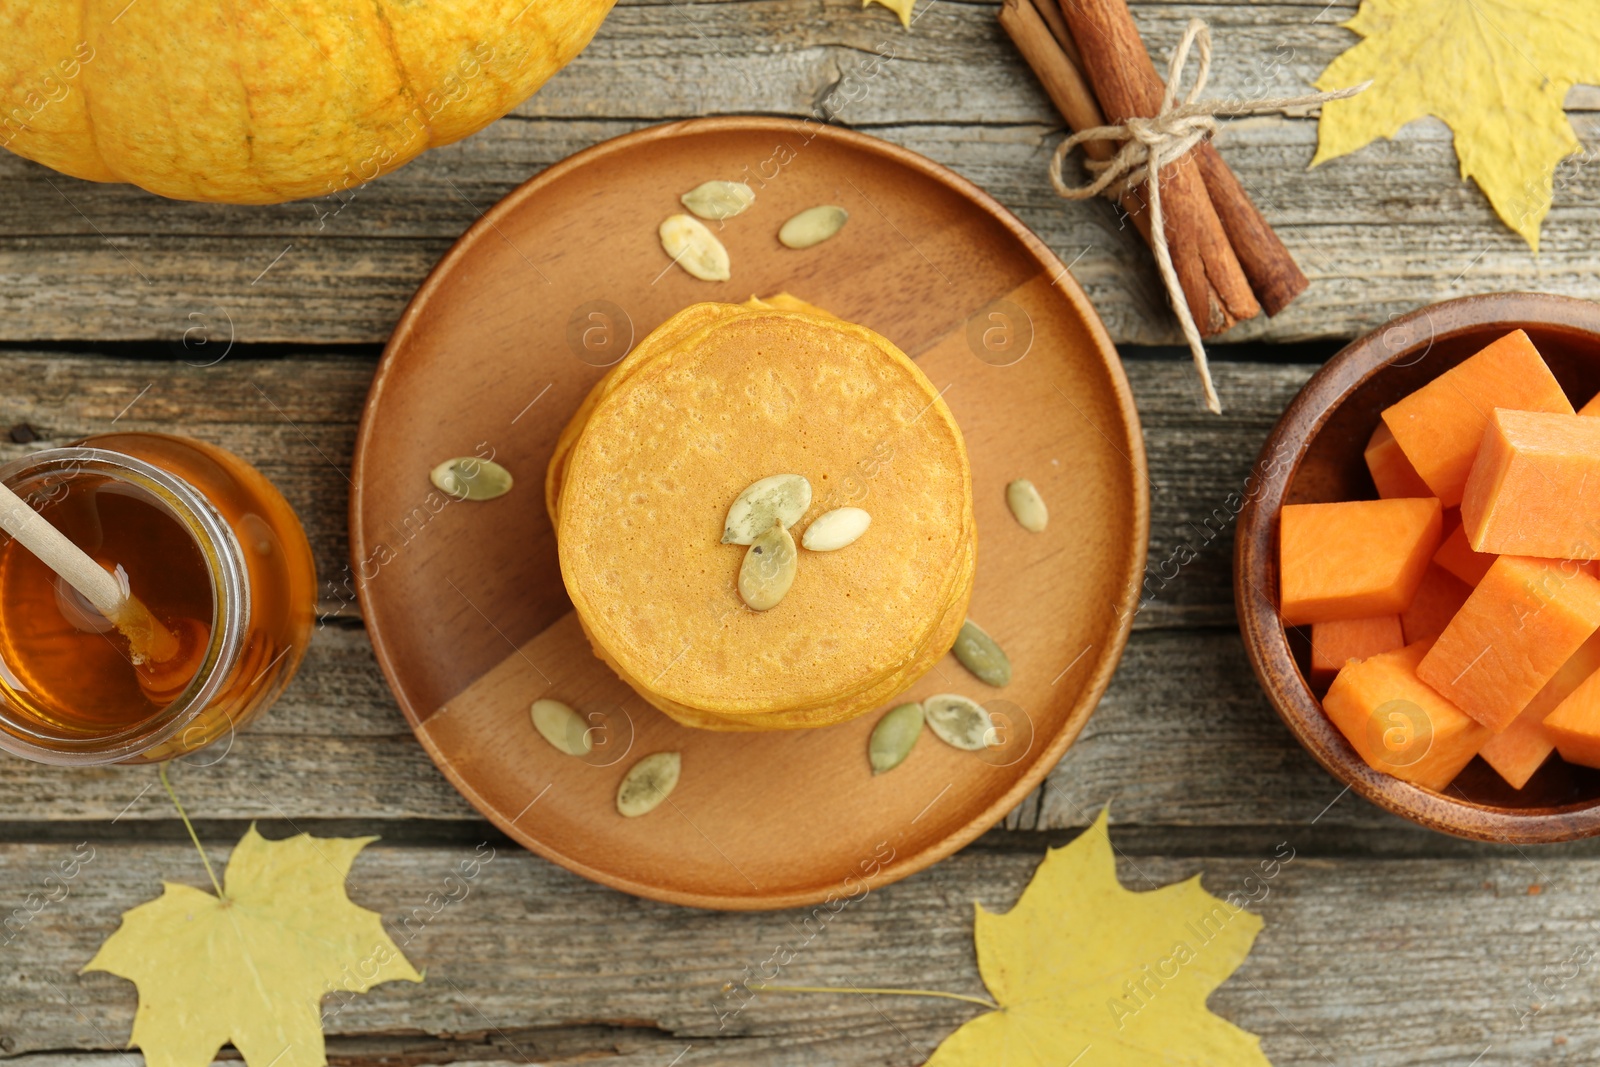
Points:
x=1384 y=944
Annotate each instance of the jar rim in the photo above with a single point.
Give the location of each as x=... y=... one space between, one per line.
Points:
x=230 y=605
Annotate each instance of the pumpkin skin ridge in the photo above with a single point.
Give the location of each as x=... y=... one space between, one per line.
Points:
x=249 y=108
x=408 y=88
x=88 y=112
x=243 y=126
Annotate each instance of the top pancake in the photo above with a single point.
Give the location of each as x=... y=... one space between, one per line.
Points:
x=675 y=330
x=722 y=399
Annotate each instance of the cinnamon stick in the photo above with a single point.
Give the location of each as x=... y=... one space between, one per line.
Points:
x=1126 y=85
x=1274 y=275
x=1050 y=12
x=1063 y=81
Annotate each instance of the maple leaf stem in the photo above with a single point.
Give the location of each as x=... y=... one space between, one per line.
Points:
x=187 y=825
x=872 y=992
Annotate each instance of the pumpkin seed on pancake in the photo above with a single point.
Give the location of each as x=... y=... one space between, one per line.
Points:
x=768 y=568
x=780 y=498
x=836 y=529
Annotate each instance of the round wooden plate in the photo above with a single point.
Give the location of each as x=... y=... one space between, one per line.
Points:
x=464 y=601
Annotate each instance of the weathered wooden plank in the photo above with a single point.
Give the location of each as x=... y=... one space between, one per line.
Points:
x=295 y=418
x=1202 y=468
x=1343 y=972
x=109 y=262
x=1183 y=738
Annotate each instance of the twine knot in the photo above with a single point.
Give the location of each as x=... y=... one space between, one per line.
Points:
x=1150 y=144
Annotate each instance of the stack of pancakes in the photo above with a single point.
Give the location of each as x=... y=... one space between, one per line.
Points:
x=716 y=398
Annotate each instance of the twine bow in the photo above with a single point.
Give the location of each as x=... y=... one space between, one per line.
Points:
x=1150 y=144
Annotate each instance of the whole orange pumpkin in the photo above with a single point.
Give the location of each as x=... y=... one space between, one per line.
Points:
x=260 y=101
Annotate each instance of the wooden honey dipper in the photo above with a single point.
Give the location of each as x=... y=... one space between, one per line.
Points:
x=149 y=641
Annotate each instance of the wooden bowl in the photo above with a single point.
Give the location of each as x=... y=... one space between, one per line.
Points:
x=1314 y=454
x=465 y=603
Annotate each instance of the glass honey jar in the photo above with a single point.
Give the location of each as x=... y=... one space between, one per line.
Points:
x=207 y=544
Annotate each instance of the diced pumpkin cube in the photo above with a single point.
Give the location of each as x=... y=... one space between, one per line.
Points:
x=1399 y=724
x=1440 y=425
x=1438 y=598
x=1524 y=620
x=1521 y=748
x=1575 y=724
x=1460 y=559
x=1334 y=643
x=1592 y=407
x=1391 y=471
x=1535 y=487
x=1354 y=559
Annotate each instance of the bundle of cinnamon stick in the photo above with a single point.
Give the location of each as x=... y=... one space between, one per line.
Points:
x=1092 y=62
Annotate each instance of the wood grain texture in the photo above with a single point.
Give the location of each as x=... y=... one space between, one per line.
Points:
x=109 y=262
x=337 y=747
x=295 y=418
x=636 y=983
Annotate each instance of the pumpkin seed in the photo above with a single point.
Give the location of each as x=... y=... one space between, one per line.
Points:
x=780 y=498
x=471 y=478
x=648 y=783
x=813 y=226
x=894 y=737
x=959 y=722
x=718 y=200
x=979 y=654
x=694 y=248
x=835 y=529
x=1027 y=505
x=768 y=569
x=561 y=726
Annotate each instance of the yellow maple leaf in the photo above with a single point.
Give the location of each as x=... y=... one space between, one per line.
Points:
x=1082 y=967
x=1496 y=71
x=252 y=966
x=899 y=7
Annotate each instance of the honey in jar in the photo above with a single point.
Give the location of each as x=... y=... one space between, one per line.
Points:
x=208 y=545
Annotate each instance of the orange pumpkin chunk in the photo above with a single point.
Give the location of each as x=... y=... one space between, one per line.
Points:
x=1523 y=621
x=1440 y=425
x=1535 y=487
x=1457 y=556
x=1391 y=471
x=1438 y=598
x=1521 y=748
x=1399 y=724
x=1335 y=643
x=1575 y=724
x=1355 y=559
x=1592 y=407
